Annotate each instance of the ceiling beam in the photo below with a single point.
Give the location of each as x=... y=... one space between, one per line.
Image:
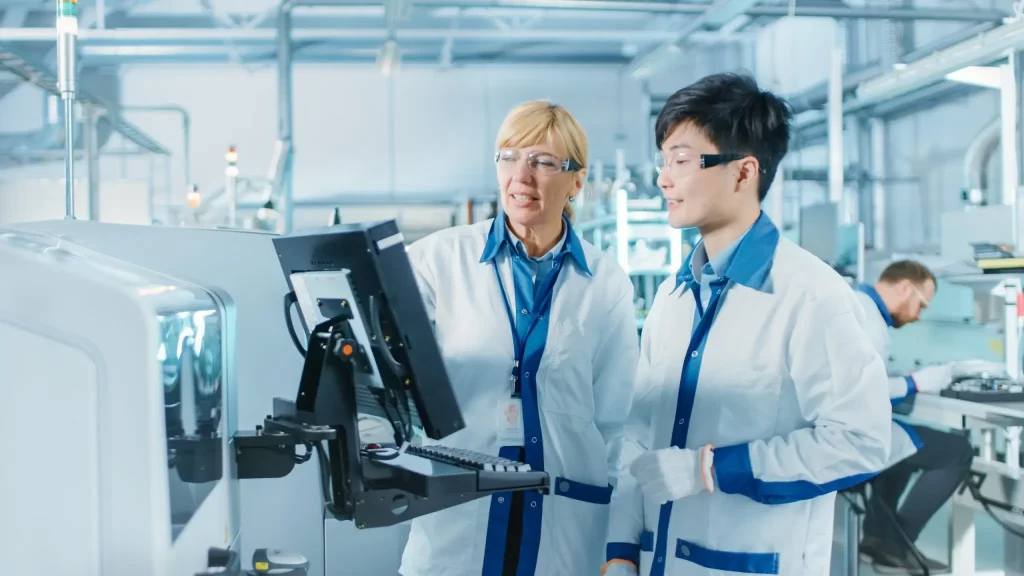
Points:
x=127 y=37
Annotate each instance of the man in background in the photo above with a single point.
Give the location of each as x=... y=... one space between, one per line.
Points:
x=903 y=291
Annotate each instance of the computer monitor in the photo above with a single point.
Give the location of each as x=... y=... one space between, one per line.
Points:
x=399 y=360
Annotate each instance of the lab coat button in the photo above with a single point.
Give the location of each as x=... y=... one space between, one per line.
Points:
x=563 y=486
x=501 y=499
x=533 y=504
x=693 y=354
x=682 y=421
x=684 y=550
x=660 y=559
x=525 y=312
x=534 y=439
x=527 y=374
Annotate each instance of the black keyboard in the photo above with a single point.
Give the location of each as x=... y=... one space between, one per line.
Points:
x=467 y=459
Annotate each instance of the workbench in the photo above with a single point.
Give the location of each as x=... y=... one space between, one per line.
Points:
x=992 y=425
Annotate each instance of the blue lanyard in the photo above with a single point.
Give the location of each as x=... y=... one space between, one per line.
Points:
x=541 y=305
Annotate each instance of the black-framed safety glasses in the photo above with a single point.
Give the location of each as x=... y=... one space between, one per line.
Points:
x=709 y=160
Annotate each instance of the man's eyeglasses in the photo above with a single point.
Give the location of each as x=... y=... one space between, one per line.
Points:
x=684 y=162
x=539 y=163
x=924 y=301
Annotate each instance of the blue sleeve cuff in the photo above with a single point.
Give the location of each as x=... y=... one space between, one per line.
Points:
x=911 y=390
x=623 y=551
x=733 y=472
x=911 y=385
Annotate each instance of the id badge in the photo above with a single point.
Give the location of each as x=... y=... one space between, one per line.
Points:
x=510 y=422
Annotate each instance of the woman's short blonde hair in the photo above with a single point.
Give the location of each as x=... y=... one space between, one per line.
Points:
x=540 y=121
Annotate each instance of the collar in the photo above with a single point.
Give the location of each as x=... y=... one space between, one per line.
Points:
x=499 y=236
x=700 y=264
x=877 y=298
x=751 y=262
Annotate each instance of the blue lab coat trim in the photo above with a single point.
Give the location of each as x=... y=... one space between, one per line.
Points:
x=740 y=562
x=583 y=492
x=498 y=236
x=647 y=541
x=911 y=389
x=535 y=338
x=734 y=475
x=918 y=443
x=751 y=263
x=687 y=393
x=623 y=551
x=631 y=552
x=877 y=298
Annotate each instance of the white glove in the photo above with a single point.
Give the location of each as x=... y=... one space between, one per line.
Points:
x=620 y=569
x=978 y=368
x=933 y=379
x=672 y=474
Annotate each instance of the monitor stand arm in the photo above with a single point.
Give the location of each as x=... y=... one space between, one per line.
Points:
x=355 y=487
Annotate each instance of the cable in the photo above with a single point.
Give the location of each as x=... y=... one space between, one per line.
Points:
x=397 y=397
x=290 y=299
x=976 y=494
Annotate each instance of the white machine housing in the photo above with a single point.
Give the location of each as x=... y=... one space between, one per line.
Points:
x=115 y=441
x=242 y=268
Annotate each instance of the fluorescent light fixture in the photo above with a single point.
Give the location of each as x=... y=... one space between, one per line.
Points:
x=982 y=49
x=984 y=76
x=390 y=58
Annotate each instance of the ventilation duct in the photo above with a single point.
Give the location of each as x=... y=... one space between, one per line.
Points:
x=979 y=152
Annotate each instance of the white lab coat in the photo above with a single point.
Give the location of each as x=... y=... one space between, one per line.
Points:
x=790 y=392
x=584 y=387
x=877 y=320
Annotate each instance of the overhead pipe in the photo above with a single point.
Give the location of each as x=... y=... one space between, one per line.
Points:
x=980 y=50
x=979 y=152
x=815 y=97
x=284 y=112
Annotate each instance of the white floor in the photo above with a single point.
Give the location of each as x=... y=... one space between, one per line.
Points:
x=934 y=543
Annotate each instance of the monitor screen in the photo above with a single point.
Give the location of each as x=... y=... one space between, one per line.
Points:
x=366 y=263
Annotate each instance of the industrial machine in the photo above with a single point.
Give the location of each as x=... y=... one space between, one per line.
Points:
x=115 y=441
x=133 y=382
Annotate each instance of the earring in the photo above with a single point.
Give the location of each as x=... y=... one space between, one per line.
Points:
x=572 y=198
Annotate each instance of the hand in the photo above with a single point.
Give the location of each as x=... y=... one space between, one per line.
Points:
x=933 y=379
x=977 y=368
x=673 y=473
x=620 y=569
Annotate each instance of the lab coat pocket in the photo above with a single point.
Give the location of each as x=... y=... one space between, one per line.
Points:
x=566 y=379
x=574 y=531
x=726 y=562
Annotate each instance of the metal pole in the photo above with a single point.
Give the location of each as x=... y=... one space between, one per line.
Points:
x=852 y=541
x=835 y=130
x=878 y=167
x=284 y=101
x=1008 y=139
x=92 y=160
x=67 y=36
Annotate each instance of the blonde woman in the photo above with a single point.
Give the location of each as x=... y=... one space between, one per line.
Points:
x=539 y=336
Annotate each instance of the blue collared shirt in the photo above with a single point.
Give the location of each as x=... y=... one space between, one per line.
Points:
x=538 y=267
x=705 y=272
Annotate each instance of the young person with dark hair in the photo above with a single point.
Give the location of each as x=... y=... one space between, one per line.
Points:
x=903 y=291
x=759 y=394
